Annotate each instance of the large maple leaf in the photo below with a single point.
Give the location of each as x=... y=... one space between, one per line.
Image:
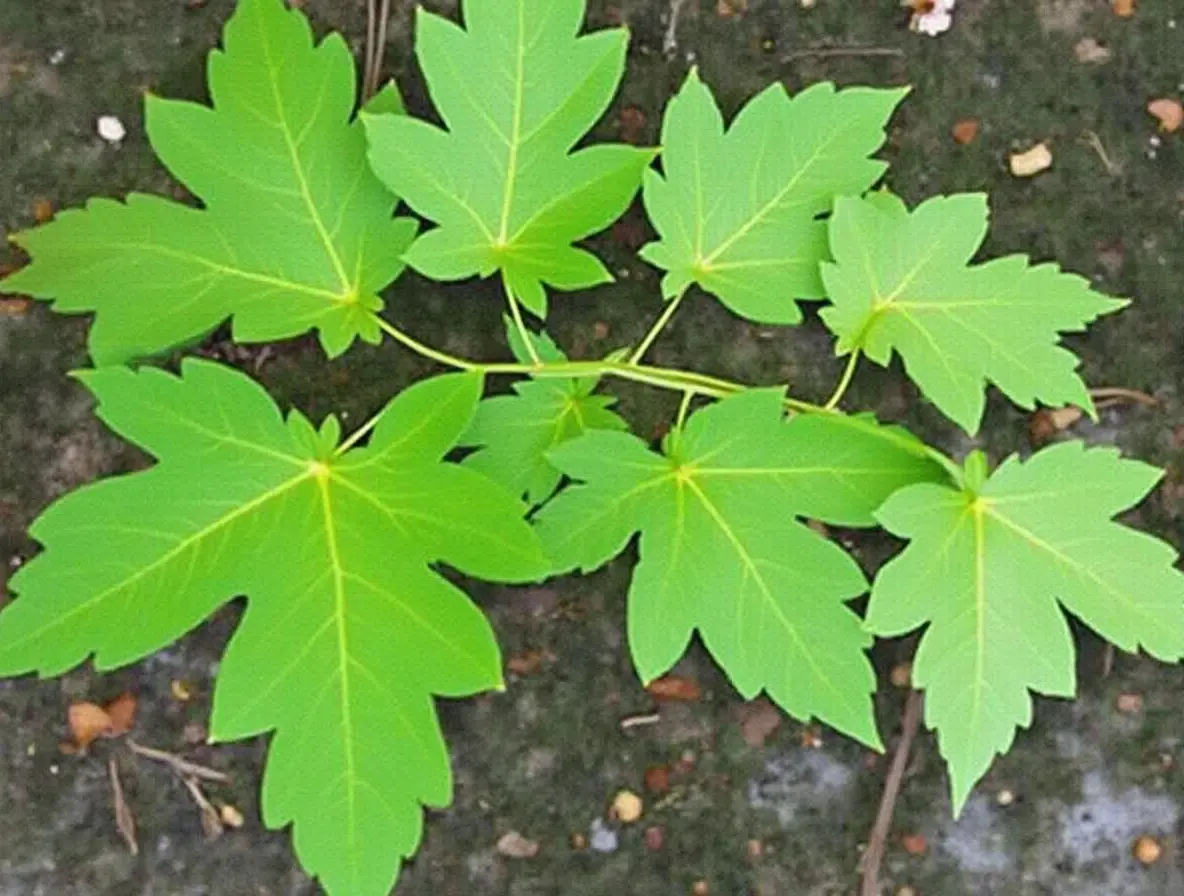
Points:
x=722 y=552
x=517 y=89
x=296 y=233
x=901 y=281
x=348 y=632
x=988 y=568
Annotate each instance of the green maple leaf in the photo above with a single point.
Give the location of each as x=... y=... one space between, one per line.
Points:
x=902 y=281
x=986 y=568
x=722 y=552
x=516 y=89
x=737 y=211
x=296 y=232
x=348 y=632
x=513 y=433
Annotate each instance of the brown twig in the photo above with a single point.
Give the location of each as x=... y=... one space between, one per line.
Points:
x=1119 y=394
x=125 y=821
x=211 y=821
x=378 y=17
x=368 y=51
x=181 y=767
x=900 y=760
x=829 y=52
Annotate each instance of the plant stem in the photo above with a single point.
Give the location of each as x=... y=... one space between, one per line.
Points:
x=425 y=350
x=657 y=328
x=516 y=314
x=688 y=382
x=844 y=382
x=683 y=407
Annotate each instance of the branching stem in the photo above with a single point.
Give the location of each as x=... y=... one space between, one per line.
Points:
x=520 y=324
x=844 y=382
x=688 y=382
x=657 y=328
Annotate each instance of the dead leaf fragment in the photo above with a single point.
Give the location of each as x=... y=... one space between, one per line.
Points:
x=42 y=211
x=1169 y=112
x=759 y=719
x=1123 y=8
x=514 y=846
x=901 y=675
x=1129 y=704
x=914 y=844
x=675 y=687
x=965 y=131
x=626 y=807
x=654 y=838
x=122 y=713
x=1047 y=422
x=1147 y=850
x=631 y=125
x=88 y=722
x=1031 y=162
x=725 y=9
x=528 y=662
x=1090 y=52
x=14 y=307
x=657 y=779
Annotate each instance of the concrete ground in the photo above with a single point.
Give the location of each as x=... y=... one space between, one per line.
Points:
x=546 y=757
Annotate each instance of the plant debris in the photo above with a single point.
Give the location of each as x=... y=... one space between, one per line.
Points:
x=125 y=821
x=627 y=807
x=1031 y=162
x=1089 y=51
x=965 y=131
x=1169 y=112
x=759 y=719
x=1147 y=850
x=513 y=845
x=675 y=687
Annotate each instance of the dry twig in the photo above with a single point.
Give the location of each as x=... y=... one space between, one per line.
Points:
x=830 y=52
x=900 y=760
x=181 y=767
x=125 y=821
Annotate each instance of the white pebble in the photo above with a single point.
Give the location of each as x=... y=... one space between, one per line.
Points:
x=111 y=128
x=603 y=838
x=57 y=57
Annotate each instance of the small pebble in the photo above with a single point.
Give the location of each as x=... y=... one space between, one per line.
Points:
x=1005 y=797
x=1147 y=850
x=654 y=837
x=627 y=807
x=603 y=838
x=231 y=816
x=111 y=128
x=701 y=888
x=513 y=845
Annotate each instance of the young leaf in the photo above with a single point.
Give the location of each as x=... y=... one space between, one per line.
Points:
x=513 y=433
x=517 y=89
x=737 y=210
x=348 y=632
x=296 y=232
x=721 y=551
x=902 y=281
x=986 y=568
